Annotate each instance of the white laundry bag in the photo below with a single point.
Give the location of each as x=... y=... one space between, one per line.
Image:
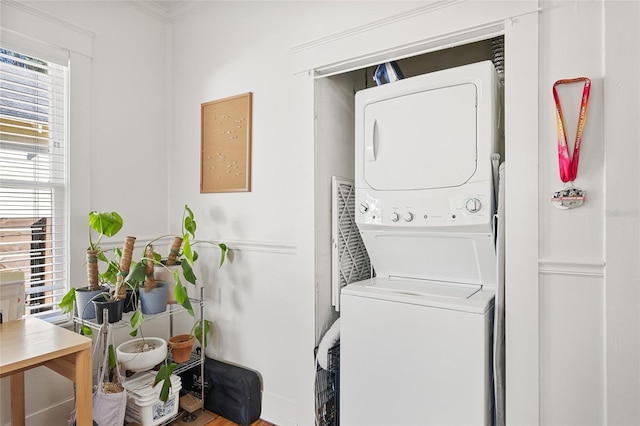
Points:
x=109 y=398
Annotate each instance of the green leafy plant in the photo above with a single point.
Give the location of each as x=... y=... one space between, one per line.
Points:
x=164 y=373
x=106 y=224
x=66 y=304
x=164 y=376
x=182 y=253
x=199 y=333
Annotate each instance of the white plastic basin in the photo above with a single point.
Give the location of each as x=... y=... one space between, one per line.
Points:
x=141 y=354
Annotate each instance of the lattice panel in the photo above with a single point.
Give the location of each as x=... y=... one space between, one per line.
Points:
x=350 y=259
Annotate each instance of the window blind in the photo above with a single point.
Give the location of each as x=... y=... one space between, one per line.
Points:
x=33 y=179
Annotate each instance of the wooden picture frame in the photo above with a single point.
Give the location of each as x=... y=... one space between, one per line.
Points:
x=225 y=155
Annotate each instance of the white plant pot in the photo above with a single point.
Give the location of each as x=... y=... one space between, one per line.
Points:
x=134 y=357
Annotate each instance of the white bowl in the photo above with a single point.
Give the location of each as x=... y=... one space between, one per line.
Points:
x=141 y=354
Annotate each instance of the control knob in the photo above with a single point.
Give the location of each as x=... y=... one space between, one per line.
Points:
x=364 y=207
x=395 y=217
x=408 y=217
x=473 y=205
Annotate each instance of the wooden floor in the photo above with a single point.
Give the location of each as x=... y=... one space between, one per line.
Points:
x=221 y=421
x=215 y=420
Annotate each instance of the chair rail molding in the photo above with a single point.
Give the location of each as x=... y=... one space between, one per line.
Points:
x=592 y=268
x=262 y=246
x=238 y=245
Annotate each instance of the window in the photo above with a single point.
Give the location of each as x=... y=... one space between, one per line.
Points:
x=33 y=179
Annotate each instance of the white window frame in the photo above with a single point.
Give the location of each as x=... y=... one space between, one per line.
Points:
x=45 y=172
x=20 y=25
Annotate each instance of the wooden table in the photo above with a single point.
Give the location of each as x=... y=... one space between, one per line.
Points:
x=31 y=342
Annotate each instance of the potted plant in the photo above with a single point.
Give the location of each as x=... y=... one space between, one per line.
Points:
x=142 y=275
x=142 y=353
x=153 y=293
x=122 y=273
x=181 y=345
x=180 y=348
x=106 y=224
x=183 y=254
x=113 y=299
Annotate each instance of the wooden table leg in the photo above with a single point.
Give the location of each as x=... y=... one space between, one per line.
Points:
x=84 y=397
x=17 y=399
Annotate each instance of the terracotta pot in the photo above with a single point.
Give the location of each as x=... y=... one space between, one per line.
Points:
x=181 y=346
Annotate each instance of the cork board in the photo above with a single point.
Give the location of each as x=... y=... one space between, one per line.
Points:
x=225 y=156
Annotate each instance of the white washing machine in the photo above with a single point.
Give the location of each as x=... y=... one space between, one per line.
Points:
x=416 y=339
x=415 y=360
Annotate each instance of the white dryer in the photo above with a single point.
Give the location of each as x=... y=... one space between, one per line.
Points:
x=416 y=339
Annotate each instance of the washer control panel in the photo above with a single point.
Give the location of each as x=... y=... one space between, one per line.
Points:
x=436 y=208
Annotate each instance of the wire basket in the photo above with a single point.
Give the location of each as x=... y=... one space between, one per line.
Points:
x=328 y=389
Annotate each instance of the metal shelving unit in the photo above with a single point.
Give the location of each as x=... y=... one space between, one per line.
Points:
x=197 y=357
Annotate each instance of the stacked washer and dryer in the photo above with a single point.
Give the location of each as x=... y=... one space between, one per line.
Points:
x=416 y=340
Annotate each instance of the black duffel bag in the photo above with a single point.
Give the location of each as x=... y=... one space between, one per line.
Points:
x=235 y=393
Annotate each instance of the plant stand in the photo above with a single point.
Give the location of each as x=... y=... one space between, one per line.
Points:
x=197 y=356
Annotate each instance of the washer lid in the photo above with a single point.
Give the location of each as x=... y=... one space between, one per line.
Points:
x=478 y=300
x=446 y=257
x=421 y=140
x=425 y=288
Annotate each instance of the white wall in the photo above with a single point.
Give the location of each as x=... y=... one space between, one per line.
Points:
x=571 y=285
x=589 y=300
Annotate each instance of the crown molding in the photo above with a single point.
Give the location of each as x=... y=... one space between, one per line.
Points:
x=175 y=12
x=434 y=26
x=44 y=28
x=430 y=8
x=150 y=8
x=53 y=19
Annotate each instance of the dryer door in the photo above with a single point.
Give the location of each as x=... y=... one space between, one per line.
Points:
x=421 y=140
